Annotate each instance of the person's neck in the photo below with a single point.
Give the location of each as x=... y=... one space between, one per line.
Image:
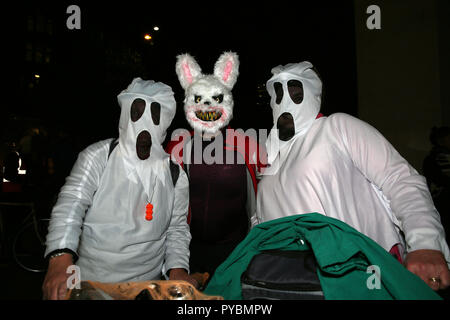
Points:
x=211 y=136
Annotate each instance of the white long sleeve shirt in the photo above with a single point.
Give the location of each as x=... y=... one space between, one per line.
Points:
x=344 y=168
x=101 y=216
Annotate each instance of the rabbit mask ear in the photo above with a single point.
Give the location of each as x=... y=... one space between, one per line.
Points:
x=187 y=70
x=226 y=69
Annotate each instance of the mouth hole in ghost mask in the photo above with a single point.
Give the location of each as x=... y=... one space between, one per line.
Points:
x=155 y=108
x=143 y=145
x=137 y=109
x=278 y=92
x=285 y=126
x=295 y=89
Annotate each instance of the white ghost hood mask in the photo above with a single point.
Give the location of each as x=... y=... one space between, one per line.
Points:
x=147 y=110
x=295 y=90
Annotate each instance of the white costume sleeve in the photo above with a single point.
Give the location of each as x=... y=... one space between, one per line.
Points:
x=76 y=197
x=400 y=183
x=178 y=234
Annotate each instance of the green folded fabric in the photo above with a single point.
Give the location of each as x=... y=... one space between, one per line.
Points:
x=342 y=253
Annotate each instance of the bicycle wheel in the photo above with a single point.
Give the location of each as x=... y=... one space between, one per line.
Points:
x=29 y=246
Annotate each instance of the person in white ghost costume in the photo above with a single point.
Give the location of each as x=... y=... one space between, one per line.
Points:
x=344 y=168
x=120 y=213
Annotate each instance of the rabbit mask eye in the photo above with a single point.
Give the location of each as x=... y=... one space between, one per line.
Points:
x=197 y=99
x=218 y=98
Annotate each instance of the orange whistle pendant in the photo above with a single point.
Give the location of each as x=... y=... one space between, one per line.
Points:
x=149 y=212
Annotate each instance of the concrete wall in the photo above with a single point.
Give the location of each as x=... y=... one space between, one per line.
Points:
x=398 y=72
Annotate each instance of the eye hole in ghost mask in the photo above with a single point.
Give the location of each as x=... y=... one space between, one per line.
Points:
x=295 y=89
x=278 y=91
x=285 y=126
x=137 y=109
x=155 y=108
x=143 y=145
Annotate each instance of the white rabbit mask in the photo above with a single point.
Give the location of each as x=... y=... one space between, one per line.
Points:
x=208 y=102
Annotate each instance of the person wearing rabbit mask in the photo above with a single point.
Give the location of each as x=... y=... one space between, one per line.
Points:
x=222 y=192
x=344 y=168
x=120 y=215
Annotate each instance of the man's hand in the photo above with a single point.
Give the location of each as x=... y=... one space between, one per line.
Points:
x=430 y=266
x=181 y=274
x=55 y=282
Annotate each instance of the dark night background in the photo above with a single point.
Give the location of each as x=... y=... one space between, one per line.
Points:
x=73 y=101
x=87 y=68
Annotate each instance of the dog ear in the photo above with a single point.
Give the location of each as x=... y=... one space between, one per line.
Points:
x=226 y=69
x=187 y=70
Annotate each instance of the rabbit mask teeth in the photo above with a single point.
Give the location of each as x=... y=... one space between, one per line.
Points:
x=208 y=115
